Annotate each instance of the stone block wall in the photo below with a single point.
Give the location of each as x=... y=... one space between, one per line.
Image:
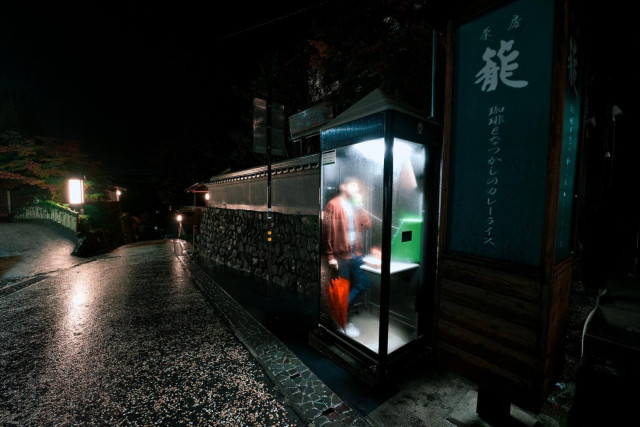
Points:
x=238 y=239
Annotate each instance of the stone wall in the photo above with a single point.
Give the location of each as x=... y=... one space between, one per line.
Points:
x=238 y=239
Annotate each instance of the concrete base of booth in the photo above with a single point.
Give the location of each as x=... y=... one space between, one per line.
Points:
x=366 y=369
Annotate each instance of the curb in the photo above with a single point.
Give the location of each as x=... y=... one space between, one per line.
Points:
x=312 y=400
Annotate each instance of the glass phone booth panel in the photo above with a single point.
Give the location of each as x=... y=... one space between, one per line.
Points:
x=407 y=219
x=379 y=180
x=352 y=227
x=351 y=235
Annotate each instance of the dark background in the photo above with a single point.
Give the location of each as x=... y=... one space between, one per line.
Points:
x=126 y=77
x=122 y=77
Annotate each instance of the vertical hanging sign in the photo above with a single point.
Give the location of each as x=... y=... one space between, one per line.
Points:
x=500 y=133
x=570 y=129
x=275 y=127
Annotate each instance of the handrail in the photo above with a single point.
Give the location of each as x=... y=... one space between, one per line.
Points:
x=49 y=211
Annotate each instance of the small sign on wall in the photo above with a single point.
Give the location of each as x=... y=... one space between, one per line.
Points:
x=329 y=157
x=260 y=127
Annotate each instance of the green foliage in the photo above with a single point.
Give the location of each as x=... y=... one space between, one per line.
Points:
x=96 y=217
x=50 y=204
x=40 y=163
x=94 y=190
x=83 y=225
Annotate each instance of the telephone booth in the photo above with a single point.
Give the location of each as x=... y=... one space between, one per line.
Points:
x=378 y=243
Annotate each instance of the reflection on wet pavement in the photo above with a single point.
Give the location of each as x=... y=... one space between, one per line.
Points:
x=127 y=339
x=37 y=248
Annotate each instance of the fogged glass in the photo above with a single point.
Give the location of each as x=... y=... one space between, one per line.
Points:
x=352 y=191
x=407 y=225
x=351 y=196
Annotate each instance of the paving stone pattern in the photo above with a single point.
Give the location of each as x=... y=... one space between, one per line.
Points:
x=309 y=396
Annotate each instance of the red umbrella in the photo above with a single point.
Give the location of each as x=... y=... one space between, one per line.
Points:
x=339 y=300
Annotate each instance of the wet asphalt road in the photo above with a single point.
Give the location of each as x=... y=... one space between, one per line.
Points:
x=127 y=339
x=31 y=249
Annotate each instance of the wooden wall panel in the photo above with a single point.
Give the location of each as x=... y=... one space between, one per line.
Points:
x=521 y=312
x=512 y=284
x=490 y=326
x=493 y=327
x=481 y=370
x=560 y=293
x=488 y=349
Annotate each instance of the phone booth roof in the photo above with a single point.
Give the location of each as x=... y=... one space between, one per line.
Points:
x=375 y=102
x=368 y=119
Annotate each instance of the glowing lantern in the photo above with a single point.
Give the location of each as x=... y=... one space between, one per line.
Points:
x=76 y=191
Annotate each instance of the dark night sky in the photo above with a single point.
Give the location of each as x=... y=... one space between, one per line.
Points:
x=118 y=76
x=121 y=76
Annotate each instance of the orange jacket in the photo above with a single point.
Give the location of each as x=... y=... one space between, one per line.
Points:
x=334 y=230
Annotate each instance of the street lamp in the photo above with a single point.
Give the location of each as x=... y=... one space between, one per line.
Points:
x=76 y=192
x=179 y=219
x=118 y=194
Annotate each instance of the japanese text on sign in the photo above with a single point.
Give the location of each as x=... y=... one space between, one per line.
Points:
x=567 y=173
x=502 y=82
x=493 y=72
x=494 y=158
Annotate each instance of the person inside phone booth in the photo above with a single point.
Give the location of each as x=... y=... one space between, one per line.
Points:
x=344 y=220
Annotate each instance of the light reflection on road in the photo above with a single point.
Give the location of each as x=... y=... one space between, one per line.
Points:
x=77 y=305
x=127 y=339
x=79 y=296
